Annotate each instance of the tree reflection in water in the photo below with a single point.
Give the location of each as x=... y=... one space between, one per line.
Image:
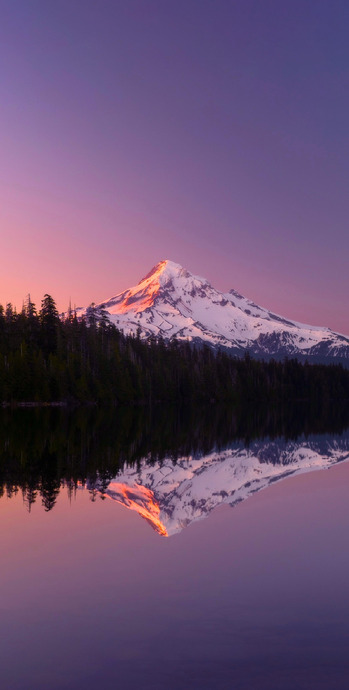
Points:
x=45 y=449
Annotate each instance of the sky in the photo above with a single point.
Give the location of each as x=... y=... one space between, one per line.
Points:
x=213 y=133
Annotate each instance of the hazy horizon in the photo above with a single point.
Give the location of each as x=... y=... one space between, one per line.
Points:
x=212 y=134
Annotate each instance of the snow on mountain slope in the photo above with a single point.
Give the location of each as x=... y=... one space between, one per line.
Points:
x=171 y=302
x=171 y=496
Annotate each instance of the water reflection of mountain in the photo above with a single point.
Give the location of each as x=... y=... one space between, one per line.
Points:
x=172 y=495
x=161 y=455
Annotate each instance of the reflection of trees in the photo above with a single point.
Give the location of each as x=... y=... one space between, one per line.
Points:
x=49 y=491
x=42 y=450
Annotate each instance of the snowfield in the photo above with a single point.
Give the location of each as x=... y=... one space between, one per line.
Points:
x=172 y=496
x=171 y=302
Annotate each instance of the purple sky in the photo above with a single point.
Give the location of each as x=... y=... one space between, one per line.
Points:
x=210 y=132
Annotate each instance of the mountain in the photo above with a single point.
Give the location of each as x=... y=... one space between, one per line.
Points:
x=171 y=302
x=170 y=496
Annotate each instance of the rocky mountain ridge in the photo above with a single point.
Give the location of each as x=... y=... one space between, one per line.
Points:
x=171 y=302
x=171 y=495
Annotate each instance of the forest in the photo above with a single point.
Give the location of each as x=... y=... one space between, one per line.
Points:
x=43 y=450
x=50 y=358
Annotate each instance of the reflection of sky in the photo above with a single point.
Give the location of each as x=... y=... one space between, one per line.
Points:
x=90 y=594
x=214 y=134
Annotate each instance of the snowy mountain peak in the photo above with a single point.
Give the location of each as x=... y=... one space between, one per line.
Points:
x=162 y=270
x=171 y=302
x=166 y=272
x=170 y=496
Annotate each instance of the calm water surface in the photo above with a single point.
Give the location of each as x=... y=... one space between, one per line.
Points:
x=242 y=594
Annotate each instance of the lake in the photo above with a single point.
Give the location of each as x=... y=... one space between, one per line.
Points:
x=174 y=549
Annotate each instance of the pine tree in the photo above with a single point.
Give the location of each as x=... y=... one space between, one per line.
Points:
x=50 y=323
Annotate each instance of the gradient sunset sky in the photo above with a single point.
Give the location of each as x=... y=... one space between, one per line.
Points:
x=210 y=132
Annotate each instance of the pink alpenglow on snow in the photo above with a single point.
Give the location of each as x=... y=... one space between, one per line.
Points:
x=171 y=302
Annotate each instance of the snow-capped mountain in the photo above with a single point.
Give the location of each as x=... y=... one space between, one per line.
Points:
x=171 y=495
x=171 y=302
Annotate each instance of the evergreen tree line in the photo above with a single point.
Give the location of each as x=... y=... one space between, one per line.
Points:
x=45 y=357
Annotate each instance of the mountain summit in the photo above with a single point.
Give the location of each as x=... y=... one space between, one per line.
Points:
x=171 y=302
x=171 y=495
